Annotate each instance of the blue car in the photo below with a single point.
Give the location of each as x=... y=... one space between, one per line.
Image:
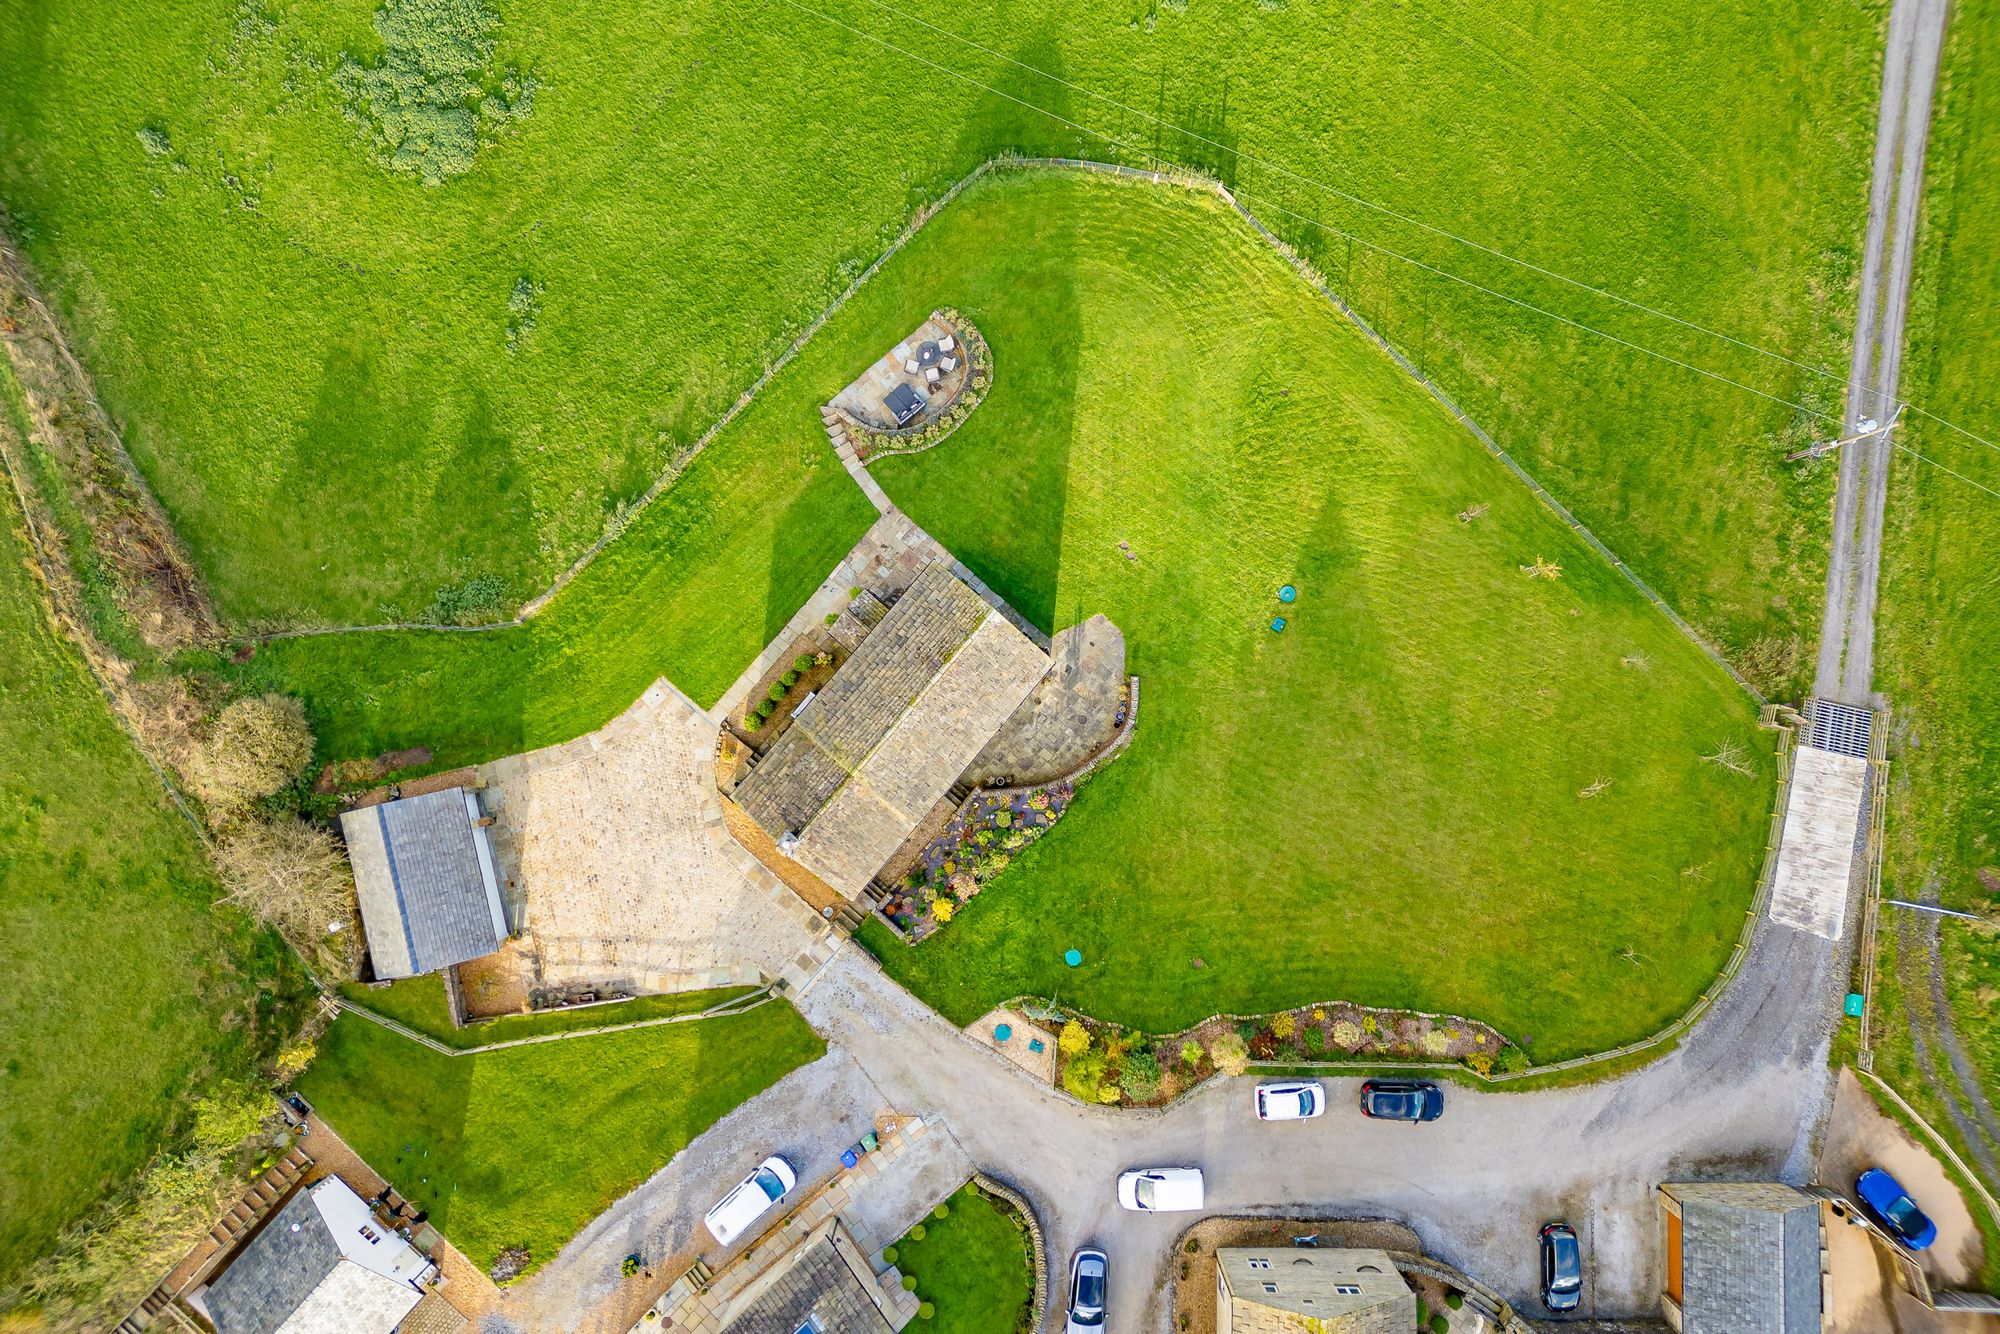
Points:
x=1894 y=1209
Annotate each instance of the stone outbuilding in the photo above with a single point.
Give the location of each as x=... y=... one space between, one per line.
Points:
x=1741 y=1258
x=867 y=758
x=1261 y=1290
x=425 y=879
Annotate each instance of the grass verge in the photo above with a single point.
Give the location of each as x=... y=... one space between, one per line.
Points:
x=973 y=1266
x=522 y=1147
x=419 y=1003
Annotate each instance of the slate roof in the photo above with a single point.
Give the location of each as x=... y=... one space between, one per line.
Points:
x=279 y=1268
x=1749 y=1258
x=885 y=739
x=423 y=872
x=817 y=1283
x=1331 y=1291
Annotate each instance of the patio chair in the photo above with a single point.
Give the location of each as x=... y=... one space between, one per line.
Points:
x=948 y=363
x=910 y=366
x=930 y=375
x=946 y=344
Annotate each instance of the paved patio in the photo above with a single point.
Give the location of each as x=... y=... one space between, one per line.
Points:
x=1072 y=714
x=617 y=844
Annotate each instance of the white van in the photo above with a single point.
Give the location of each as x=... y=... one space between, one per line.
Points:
x=751 y=1199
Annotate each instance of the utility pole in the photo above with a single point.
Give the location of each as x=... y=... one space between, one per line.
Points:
x=1870 y=428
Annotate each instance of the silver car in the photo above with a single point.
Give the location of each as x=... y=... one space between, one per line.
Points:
x=1086 y=1292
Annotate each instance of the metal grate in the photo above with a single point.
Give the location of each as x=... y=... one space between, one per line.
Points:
x=1839 y=728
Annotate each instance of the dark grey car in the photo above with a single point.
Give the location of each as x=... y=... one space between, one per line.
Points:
x=1402 y=1100
x=1562 y=1268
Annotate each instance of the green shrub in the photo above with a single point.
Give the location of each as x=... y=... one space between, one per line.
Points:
x=917 y=1233
x=1193 y=1246
x=765 y=708
x=909 y=1283
x=889 y=1254
x=1191 y=1053
x=754 y=723
x=1004 y=820
x=1423 y=1313
x=789 y=679
x=1315 y=1040
x=1140 y=1076
x=1511 y=1060
x=802 y=663
x=776 y=692
x=1454 y=1300
x=1440 y=1323
x=942 y=1212
x=925 y=1310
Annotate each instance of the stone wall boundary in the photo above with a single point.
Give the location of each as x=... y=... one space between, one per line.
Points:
x=738 y=1005
x=1032 y=1222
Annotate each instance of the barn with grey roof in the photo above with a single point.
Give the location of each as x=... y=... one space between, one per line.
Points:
x=425 y=878
x=883 y=742
x=1740 y=1258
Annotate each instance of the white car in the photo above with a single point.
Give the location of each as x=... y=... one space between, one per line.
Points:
x=1159 y=1190
x=753 y=1196
x=1296 y=1100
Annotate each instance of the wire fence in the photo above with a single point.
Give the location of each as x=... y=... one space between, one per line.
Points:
x=733 y=1006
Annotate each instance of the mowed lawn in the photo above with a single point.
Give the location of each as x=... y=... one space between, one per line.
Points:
x=973 y=1266
x=1446 y=785
x=524 y=1146
x=1939 y=619
x=313 y=361
x=124 y=994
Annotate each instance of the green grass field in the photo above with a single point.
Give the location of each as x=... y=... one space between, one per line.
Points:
x=523 y=1147
x=972 y=1265
x=125 y=994
x=1940 y=617
x=1381 y=803
x=313 y=355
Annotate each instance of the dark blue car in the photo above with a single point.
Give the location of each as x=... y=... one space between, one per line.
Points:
x=1892 y=1207
x=1402 y=1100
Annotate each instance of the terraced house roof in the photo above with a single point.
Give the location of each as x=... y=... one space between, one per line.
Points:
x=886 y=738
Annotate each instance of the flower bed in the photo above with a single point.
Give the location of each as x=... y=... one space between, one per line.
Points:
x=872 y=442
x=1107 y=1064
x=983 y=838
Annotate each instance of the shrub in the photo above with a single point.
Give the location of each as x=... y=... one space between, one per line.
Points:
x=942 y=1212
x=1075 y=1039
x=255 y=746
x=925 y=1310
x=1193 y=1246
x=1230 y=1054
x=942 y=911
x=629 y=1266
x=1511 y=1060
x=776 y=692
x=802 y=663
x=754 y=723
x=1004 y=820
x=766 y=707
x=917 y=1233
x=909 y=1283
x=293 y=1060
x=1480 y=1063
x=889 y=1254
x=822 y=659
x=1315 y=1040
x=1346 y=1036
x=789 y=679
x=1140 y=1076
x=1454 y=1299
x=1191 y=1053
x=1284 y=1025
x=1423 y=1314
x=1440 y=1323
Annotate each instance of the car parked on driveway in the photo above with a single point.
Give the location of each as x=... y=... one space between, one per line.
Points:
x=753 y=1196
x=1086 y=1291
x=1891 y=1206
x=1402 y=1100
x=1562 y=1268
x=1160 y=1190
x=1291 y=1100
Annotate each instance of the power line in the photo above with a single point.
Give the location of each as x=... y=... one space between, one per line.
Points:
x=1386 y=211
x=1169 y=165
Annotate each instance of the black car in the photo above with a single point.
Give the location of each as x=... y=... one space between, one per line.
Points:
x=1562 y=1268
x=1401 y=1100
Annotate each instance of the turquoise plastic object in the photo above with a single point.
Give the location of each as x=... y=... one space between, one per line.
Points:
x=1073 y=957
x=1287 y=593
x=1001 y=1032
x=1278 y=625
x=1035 y=1044
x=1854 y=1004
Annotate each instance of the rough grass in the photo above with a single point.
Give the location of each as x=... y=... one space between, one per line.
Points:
x=523 y=1147
x=321 y=374
x=419 y=1003
x=1382 y=803
x=973 y=1266
x=1940 y=613
x=125 y=994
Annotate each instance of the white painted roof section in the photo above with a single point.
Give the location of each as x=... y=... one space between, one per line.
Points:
x=376 y=1249
x=353 y=1300
x=1816 y=852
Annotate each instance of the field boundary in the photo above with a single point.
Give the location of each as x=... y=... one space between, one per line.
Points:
x=1185 y=179
x=721 y=1010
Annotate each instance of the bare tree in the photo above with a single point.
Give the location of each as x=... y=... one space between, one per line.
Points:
x=294 y=877
x=1730 y=755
